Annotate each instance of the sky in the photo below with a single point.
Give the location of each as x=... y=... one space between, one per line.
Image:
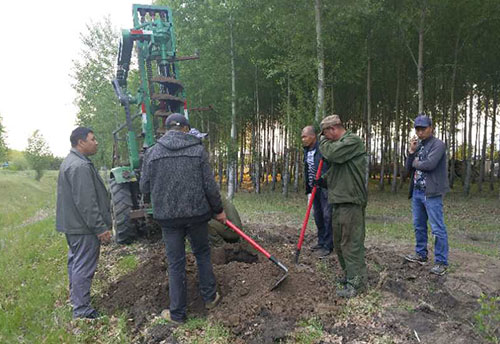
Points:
x=39 y=42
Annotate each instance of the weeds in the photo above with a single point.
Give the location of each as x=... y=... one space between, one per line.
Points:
x=487 y=319
x=308 y=332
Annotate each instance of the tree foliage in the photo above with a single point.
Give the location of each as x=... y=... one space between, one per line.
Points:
x=3 y=144
x=276 y=78
x=38 y=154
x=92 y=73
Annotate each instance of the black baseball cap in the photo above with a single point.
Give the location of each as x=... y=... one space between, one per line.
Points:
x=176 y=120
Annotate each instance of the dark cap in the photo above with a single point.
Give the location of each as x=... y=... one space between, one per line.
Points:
x=422 y=121
x=176 y=120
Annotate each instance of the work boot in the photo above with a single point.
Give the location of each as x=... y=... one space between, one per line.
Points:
x=214 y=303
x=416 y=258
x=92 y=315
x=165 y=314
x=347 y=291
x=322 y=253
x=316 y=247
x=438 y=269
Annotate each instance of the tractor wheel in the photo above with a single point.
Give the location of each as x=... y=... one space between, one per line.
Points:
x=124 y=229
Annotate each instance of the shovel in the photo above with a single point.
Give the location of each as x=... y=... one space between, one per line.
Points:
x=308 y=212
x=261 y=250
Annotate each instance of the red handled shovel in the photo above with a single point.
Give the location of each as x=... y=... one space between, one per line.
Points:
x=308 y=212
x=261 y=250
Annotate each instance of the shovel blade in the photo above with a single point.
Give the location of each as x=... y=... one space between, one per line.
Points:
x=278 y=282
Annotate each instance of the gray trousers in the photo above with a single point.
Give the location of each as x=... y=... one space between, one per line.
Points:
x=83 y=254
x=174 y=239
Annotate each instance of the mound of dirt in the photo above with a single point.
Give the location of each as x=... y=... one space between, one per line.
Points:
x=409 y=302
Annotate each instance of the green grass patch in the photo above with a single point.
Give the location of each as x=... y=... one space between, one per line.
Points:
x=309 y=331
x=127 y=264
x=201 y=331
x=22 y=197
x=364 y=305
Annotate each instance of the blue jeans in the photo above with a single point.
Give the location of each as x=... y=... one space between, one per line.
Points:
x=431 y=209
x=323 y=219
x=174 y=239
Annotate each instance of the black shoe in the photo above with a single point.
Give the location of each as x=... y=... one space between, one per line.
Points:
x=94 y=315
x=416 y=258
x=317 y=247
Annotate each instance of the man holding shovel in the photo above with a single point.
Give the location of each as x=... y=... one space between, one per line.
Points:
x=346 y=154
x=185 y=196
x=322 y=210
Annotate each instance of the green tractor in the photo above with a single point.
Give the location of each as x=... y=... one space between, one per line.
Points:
x=159 y=94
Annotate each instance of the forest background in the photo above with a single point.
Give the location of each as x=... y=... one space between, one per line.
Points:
x=268 y=68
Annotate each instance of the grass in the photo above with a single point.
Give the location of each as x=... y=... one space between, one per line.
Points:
x=34 y=286
x=201 y=331
x=472 y=222
x=34 y=305
x=309 y=331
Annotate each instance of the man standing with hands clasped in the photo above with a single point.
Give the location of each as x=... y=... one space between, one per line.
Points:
x=427 y=165
x=83 y=215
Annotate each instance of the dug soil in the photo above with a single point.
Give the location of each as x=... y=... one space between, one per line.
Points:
x=403 y=303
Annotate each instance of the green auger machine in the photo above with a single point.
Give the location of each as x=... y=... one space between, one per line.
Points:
x=159 y=94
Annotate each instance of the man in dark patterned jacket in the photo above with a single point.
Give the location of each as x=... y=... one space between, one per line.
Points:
x=185 y=196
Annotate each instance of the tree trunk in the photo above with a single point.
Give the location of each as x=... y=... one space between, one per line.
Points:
x=320 y=103
x=368 y=120
x=231 y=160
x=420 y=68
x=242 y=156
x=286 y=170
x=273 y=162
x=296 y=174
x=395 y=153
x=221 y=170
x=453 y=112
x=482 y=168
x=382 y=153
x=257 y=134
x=492 y=145
x=468 y=172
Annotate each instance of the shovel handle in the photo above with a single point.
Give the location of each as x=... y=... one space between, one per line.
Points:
x=308 y=212
x=247 y=238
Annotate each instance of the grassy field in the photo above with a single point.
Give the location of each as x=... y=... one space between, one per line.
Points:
x=34 y=304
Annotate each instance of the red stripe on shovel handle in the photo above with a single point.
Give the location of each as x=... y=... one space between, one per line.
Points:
x=309 y=206
x=247 y=238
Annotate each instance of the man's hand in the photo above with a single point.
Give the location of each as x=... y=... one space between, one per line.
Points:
x=221 y=217
x=105 y=237
x=413 y=145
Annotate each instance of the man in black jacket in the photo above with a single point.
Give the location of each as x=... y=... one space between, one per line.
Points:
x=322 y=210
x=427 y=164
x=185 y=197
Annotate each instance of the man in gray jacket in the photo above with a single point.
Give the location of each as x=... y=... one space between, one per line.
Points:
x=83 y=215
x=185 y=197
x=428 y=169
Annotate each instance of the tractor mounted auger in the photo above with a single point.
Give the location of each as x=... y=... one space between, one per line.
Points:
x=159 y=93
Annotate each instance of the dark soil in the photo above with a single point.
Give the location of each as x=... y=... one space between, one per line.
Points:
x=403 y=302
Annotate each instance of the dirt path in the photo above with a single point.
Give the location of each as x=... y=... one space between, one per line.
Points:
x=404 y=303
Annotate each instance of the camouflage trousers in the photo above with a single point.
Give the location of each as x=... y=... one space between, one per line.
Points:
x=348 y=222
